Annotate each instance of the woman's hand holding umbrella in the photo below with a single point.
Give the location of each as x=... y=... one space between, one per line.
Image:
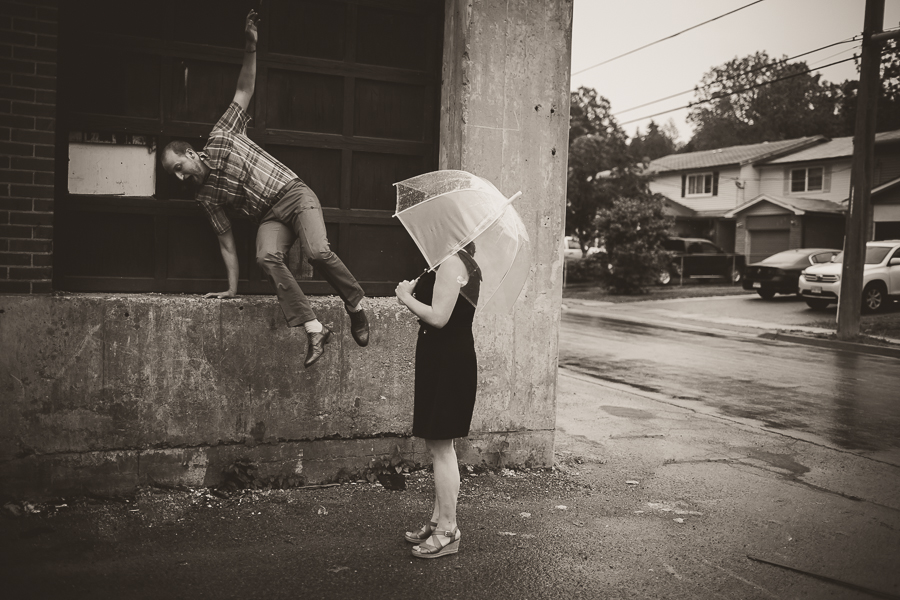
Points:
x=404 y=291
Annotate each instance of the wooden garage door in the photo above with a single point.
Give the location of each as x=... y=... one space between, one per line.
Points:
x=347 y=96
x=766 y=242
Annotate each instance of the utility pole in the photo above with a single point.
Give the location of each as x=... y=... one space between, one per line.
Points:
x=857 y=227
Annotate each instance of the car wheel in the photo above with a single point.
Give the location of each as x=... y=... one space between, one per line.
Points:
x=873 y=297
x=735 y=276
x=817 y=304
x=665 y=278
x=766 y=294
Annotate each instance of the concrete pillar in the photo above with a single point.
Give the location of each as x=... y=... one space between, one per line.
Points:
x=505 y=117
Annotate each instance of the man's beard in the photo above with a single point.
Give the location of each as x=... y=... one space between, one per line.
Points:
x=193 y=183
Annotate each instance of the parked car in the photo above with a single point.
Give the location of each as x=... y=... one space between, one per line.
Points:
x=700 y=259
x=572 y=249
x=820 y=285
x=780 y=273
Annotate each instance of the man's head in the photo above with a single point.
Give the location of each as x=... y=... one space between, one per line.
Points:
x=182 y=161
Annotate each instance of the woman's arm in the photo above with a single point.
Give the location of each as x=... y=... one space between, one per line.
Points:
x=446 y=291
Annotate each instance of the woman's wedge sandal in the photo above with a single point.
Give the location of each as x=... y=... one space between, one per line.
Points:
x=437 y=550
x=422 y=535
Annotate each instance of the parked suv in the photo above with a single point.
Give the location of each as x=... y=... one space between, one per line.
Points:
x=820 y=285
x=700 y=259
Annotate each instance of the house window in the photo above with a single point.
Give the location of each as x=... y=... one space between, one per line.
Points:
x=807 y=180
x=700 y=184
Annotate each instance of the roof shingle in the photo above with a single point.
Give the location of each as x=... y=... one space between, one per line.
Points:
x=734 y=155
x=835 y=148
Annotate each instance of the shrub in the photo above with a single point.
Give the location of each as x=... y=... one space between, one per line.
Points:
x=587 y=269
x=633 y=231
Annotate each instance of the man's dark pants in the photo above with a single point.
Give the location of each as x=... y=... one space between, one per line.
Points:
x=297 y=213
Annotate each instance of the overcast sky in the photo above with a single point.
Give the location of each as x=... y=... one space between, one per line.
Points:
x=603 y=29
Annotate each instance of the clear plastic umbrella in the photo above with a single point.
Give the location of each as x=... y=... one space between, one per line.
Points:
x=449 y=211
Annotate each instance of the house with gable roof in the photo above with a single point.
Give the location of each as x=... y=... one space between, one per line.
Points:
x=702 y=187
x=760 y=199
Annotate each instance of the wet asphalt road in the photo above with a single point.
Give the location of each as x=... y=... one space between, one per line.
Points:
x=850 y=400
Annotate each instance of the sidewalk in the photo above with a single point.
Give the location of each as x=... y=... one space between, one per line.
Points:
x=650 y=499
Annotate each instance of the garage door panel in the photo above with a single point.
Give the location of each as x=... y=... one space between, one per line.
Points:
x=373 y=175
x=389 y=110
x=313 y=28
x=201 y=90
x=319 y=168
x=305 y=101
x=393 y=38
x=766 y=242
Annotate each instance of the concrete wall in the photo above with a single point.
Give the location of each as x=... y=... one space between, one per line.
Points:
x=101 y=393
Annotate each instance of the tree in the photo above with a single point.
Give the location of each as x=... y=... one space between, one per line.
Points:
x=590 y=114
x=776 y=100
x=888 y=109
x=600 y=168
x=656 y=143
x=633 y=232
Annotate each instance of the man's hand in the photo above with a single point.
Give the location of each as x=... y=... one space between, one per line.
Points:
x=221 y=295
x=250 y=28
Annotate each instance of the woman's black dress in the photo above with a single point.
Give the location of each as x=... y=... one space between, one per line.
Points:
x=446 y=367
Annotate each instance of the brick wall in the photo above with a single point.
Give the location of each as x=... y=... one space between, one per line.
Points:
x=27 y=144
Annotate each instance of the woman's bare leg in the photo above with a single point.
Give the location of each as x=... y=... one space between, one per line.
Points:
x=446 y=483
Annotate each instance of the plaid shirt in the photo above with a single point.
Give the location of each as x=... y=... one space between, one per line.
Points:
x=242 y=176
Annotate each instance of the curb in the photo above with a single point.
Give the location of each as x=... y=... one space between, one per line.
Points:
x=833 y=344
x=674 y=326
x=740 y=331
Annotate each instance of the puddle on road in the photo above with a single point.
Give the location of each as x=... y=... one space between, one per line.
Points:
x=785 y=462
x=628 y=413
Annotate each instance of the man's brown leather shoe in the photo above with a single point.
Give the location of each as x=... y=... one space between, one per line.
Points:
x=359 y=326
x=317 y=343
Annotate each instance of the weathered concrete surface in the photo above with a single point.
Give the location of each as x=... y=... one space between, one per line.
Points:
x=101 y=393
x=505 y=117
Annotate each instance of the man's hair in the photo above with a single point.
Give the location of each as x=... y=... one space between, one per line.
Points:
x=178 y=147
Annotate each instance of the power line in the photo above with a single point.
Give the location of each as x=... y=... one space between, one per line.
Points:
x=740 y=91
x=848 y=40
x=609 y=60
x=753 y=70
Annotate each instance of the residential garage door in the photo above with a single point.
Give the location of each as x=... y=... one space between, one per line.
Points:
x=766 y=242
x=347 y=96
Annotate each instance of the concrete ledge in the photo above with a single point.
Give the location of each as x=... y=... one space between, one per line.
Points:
x=119 y=472
x=102 y=393
x=834 y=344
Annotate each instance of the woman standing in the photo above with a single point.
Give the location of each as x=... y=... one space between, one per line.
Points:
x=444 y=300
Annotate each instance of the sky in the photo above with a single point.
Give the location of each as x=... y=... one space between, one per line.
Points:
x=602 y=29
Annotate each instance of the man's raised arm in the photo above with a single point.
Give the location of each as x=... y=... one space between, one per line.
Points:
x=247 y=79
